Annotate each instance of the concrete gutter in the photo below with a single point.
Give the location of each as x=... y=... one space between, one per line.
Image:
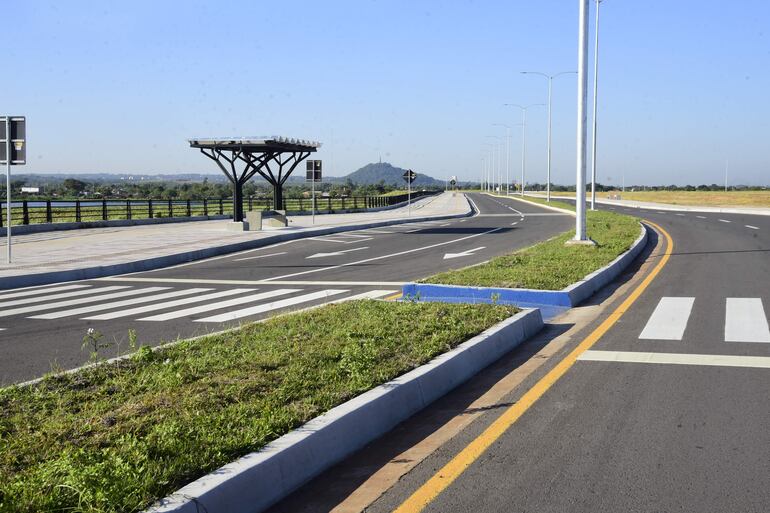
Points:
x=148 y=264
x=260 y=479
x=551 y=302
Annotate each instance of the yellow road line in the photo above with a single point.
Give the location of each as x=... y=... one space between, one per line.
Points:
x=393 y=297
x=457 y=465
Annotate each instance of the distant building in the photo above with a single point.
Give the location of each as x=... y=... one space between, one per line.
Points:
x=31 y=190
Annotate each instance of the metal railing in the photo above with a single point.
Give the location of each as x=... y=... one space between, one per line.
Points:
x=63 y=211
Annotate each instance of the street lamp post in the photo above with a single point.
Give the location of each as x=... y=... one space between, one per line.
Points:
x=596 y=94
x=490 y=166
x=523 y=137
x=582 y=100
x=550 y=83
x=498 y=168
x=507 y=157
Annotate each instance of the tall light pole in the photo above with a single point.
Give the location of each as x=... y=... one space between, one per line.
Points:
x=582 y=100
x=596 y=94
x=523 y=137
x=490 y=166
x=498 y=146
x=550 y=83
x=507 y=156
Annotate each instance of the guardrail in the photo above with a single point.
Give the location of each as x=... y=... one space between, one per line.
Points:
x=27 y=212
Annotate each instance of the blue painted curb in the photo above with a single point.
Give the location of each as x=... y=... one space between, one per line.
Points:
x=551 y=302
x=460 y=294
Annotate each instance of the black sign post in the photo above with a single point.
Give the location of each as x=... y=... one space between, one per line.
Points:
x=13 y=152
x=313 y=175
x=409 y=176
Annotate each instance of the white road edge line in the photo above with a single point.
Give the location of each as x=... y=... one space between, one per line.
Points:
x=259 y=256
x=261 y=282
x=712 y=360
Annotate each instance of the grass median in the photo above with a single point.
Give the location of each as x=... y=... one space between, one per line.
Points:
x=116 y=437
x=551 y=265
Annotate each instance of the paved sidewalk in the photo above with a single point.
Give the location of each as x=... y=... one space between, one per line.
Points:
x=105 y=251
x=667 y=206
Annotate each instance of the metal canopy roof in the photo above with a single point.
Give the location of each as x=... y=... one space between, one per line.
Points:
x=257 y=144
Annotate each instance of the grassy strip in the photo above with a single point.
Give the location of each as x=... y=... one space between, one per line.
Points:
x=117 y=437
x=552 y=265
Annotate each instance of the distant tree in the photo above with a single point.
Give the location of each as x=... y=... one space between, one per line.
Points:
x=74 y=186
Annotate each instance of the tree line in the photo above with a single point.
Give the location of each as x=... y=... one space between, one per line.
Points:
x=72 y=188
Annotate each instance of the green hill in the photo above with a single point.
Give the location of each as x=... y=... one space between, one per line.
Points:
x=383 y=171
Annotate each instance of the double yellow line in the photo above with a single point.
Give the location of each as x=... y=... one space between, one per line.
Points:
x=457 y=465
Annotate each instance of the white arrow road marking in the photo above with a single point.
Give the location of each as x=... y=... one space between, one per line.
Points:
x=336 y=253
x=464 y=253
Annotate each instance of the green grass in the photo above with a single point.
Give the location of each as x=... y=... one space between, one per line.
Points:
x=116 y=437
x=552 y=265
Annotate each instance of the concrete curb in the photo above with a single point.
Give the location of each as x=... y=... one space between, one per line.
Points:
x=552 y=300
x=148 y=264
x=258 y=480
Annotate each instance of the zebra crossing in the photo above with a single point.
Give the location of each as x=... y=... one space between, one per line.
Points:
x=744 y=320
x=162 y=303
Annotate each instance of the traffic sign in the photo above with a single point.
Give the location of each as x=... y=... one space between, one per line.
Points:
x=17 y=125
x=313 y=173
x=409 y=176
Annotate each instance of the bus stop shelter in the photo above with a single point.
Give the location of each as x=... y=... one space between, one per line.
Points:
x=273 y=158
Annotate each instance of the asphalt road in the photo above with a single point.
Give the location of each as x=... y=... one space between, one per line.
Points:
x=43 y=325
x=640 y=433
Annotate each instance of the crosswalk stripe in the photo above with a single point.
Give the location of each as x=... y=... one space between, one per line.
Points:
x=63 y=295
x=245 y=312
x=40 y=291
x=79 y=301
x=669 y=319
x=167 y=304
x=745 y=320
x=38 y=299
x=218 y=306
x=117 y=304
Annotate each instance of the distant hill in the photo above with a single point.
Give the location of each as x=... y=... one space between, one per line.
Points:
x=383 y=171
x=370 y=174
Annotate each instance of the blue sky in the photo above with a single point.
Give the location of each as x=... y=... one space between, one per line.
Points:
x=120 y=86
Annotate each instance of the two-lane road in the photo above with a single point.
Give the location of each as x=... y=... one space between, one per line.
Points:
x=42 y=325
x=667 y=411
